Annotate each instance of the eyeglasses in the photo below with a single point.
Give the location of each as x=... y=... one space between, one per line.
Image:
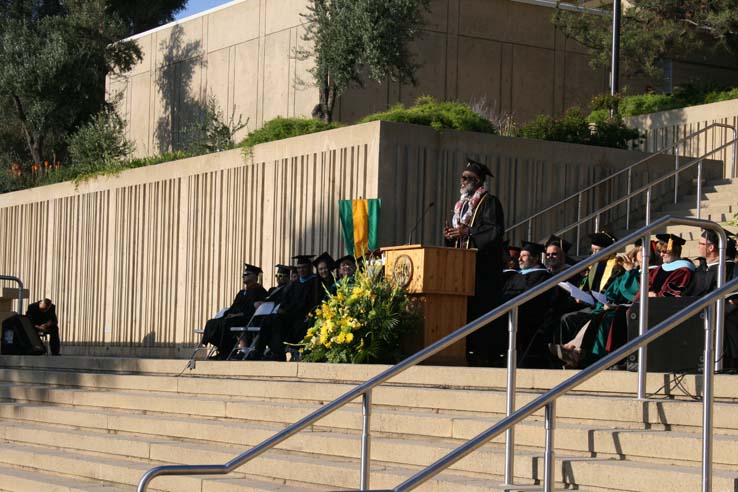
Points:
x=551 y=254
x=467 y=177
x=281 y=275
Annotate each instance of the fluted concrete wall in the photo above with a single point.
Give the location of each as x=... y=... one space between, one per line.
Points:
x=664 y=128
x=135 y=262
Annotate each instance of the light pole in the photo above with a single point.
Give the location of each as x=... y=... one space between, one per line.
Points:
x=615 y=64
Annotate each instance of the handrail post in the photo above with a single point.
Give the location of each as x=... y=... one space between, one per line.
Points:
x=512 y=358
x=643 y=311
x=597 y=223
x=676 y=176
x=648 y=206
x=707 y=401
x=699 y=190
x=735 y=150
x=530 y=229
x=366 y=412
x=579 y=219
x=549 y=456
x=627 y=204
x=720 y=305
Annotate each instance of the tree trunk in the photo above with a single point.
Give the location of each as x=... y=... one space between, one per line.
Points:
x=327 y=98
x=34 y=144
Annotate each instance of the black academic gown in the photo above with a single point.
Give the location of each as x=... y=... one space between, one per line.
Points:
x=485 y=234
x=218 y=331
x=531 y=315
x=290 y=325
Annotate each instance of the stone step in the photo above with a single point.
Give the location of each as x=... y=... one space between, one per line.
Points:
x=342 y=473
x=21 y=480
x=421 y=378
x=124 y=473
x=619 y=409
x=133 y=435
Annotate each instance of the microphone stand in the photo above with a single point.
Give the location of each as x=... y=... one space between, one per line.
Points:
x=420 y=221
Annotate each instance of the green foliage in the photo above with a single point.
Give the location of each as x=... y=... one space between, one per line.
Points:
x=280 y=128
x=654 y=30
x=54 y=58
x=439 y=115
x=684 y=96
x=574 y=127
x=350 y=39
x=22 y=176
x=361 y=323
x=141 y=16
x=99 y=143
x=211 y=132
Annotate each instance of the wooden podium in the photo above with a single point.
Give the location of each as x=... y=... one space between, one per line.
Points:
x=439 y=281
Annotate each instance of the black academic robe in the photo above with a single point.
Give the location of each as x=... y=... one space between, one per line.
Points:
x=485 y=234
x=290 y=324
x=218 y=331
x=704 y=279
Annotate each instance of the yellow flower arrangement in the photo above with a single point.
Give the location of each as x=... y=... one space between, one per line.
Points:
x=361 y=323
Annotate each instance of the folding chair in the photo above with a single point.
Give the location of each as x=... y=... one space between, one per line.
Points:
x=264 y=310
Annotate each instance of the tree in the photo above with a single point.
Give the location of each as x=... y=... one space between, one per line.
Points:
x=55 y=57
x=653 y=30
x=350 y=38
x=141 y=16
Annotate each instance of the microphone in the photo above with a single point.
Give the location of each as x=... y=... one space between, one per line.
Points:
x=420 y=221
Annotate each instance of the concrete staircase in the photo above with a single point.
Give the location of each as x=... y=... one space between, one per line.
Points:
x=97 y=424
x=719 y=204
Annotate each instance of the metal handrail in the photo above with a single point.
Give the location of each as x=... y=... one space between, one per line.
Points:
x=365 y=390
x=629 y=170
x=548 y=398
x=20 y=290
x=697 y=161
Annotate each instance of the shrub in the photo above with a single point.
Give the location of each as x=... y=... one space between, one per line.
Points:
x=439 y=115
x=100 y=143
x=212 y=132
x=574 y=127
x=280 y=128
x=683 y=96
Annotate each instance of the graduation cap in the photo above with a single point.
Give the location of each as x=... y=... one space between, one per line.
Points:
x=514 y=249
x=561 y=243
x=533 y=248
x=251 y=269
x=326 y=258
x=478 y=168
x=602 y=239
x=670 y=240
x=303 y=260
x=283 y=269
x=346 y=259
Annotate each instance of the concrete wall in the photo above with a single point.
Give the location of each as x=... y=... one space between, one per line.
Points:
x=506 y=53
x=240 y=54
x=664 y=128
x=135 y=262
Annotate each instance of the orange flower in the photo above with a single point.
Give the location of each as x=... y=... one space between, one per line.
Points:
x=35 y=167
x=46 y=163
x=15 y=166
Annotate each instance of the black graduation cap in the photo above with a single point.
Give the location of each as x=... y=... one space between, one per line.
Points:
x=346 y=259
x=478 y=168
x=303 y=259
x=251 y=269
x=326 y=258
x=561 y=243
x=533 y=248
x=283 y=269
x=602 y=239
x=670 y=239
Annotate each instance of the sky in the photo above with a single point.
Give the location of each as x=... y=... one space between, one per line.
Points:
x=195 y=6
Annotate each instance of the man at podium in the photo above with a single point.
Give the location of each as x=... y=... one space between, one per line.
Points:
x=478 y=222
